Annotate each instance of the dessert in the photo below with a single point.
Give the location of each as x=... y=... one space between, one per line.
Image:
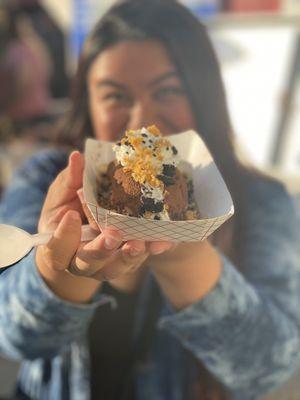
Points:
x=144 y=180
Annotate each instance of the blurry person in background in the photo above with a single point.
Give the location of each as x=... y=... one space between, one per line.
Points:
x=25 y=69
x=26 y=64
x=216 y=319
x=53 y=39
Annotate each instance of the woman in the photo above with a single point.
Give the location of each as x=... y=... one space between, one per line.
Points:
x=215 y=319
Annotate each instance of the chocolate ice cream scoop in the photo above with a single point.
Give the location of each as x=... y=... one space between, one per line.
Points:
x=144 y=178
x=126 y=196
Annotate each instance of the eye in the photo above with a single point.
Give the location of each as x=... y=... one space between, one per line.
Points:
x=116 y=98
x=168 y=92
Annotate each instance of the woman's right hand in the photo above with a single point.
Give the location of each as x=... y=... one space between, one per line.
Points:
x=104 y=258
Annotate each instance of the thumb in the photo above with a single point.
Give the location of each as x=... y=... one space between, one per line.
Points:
x=64 y=243
x=63 y=189
x=73 y=174
x=70 y=179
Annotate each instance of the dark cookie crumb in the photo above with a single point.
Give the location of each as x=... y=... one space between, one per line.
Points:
x=168 y=170
x=167 y=180
x=150 y=205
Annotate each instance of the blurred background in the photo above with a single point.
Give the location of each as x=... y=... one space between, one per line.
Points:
x=257 y=43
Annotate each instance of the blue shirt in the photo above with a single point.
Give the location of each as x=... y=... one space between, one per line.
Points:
x=245 y=331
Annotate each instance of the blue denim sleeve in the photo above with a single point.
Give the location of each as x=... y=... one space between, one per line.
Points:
x=246 y=330
x=34 y=322
x=22 y=202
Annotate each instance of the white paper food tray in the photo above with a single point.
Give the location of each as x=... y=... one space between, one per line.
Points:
x=211 y=194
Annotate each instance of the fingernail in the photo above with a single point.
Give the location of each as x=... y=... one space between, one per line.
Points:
x=74 y=216
x=110 y=242
x=135 y=252
x=157 y=252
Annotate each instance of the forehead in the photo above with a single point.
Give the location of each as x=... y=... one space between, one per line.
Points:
x=131 y=61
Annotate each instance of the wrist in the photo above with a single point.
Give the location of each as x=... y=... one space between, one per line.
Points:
x=179 y=255
x=188 y=273
x=65 y=285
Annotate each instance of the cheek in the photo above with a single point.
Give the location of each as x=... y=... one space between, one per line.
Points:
x=107 y=123
x=179 y=114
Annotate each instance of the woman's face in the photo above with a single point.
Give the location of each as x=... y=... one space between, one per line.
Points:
x=134 y=84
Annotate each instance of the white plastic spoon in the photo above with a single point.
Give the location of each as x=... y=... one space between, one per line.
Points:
x=16 y=243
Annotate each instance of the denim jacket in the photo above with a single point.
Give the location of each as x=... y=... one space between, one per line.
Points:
x=246 y=331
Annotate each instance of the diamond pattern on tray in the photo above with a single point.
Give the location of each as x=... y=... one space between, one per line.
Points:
x=99 y=153
x=143 y=229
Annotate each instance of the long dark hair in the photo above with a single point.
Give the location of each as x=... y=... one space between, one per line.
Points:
x=189 y=47
x=186 y=40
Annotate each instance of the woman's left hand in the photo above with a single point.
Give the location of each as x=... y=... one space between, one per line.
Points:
x=187 y=272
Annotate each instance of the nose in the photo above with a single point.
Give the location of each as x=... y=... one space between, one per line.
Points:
x=142 y=113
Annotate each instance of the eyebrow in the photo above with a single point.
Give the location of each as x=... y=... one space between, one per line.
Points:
x=163 y=77
x=156 y=81
x=109 y=82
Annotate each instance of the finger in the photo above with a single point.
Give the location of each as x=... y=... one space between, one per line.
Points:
x=50 y=218
x=87 y=211
x=94 y=255
x=135 y=247
x=62 y=193
x=73 y=174
x=53 y=219
x=110 y=239
x=61 y=248
x=63 y=189
x=156 y=248
x=122 y=262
